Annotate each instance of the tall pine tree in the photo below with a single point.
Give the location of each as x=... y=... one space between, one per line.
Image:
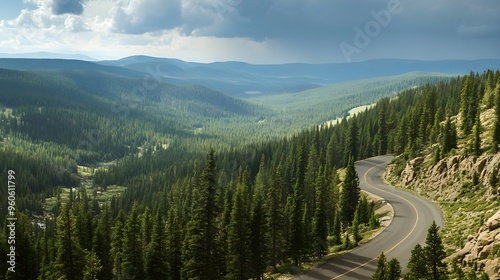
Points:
x=496 y=124
x=476 y=144
x=132 y=251
x=417 y=268
x=320 y=222
x=156 y=263
x=381 y=270
x=275 y=215
x=296 y=244
x=382 y=127
x=117 y=244
x=200 y=249
x=174 y=243
x=259 y=249
x=351 y=143
x=448 y=137
x=468 y=104
x=238 y=259
x=393 y=270
x=70 y=256
x=349 y=196
x=435 y=254
x=102 y=244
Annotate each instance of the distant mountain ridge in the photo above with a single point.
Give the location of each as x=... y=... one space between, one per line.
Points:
x=37 y=55
x=64 y=64
x=240 y=78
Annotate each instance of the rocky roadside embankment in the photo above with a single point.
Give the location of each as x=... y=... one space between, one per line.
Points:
x=466 y=188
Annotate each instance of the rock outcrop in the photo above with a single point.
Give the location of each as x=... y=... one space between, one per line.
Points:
x=484 y=248
x=448 y=175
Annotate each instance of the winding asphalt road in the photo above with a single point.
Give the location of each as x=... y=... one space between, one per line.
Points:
x=412 y=217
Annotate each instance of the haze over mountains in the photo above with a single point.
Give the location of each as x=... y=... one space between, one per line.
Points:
x=241 y=79
x=48 y=55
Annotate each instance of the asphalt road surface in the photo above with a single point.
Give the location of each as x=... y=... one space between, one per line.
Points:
x=412 y=217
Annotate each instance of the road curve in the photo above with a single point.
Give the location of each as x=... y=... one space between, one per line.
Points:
x=412 y=217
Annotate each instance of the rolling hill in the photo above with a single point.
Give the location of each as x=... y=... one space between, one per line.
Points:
x=227 y=103
x=243 y=80
x=48 y=55
x=102 y=117
x=239 y=78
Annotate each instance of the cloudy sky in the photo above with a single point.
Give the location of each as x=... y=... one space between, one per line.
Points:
x=256 y=31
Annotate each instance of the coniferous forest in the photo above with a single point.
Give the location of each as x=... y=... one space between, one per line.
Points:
x=208 y=209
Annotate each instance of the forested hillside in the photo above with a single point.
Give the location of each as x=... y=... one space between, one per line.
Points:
x=104 y=120
x=249 y=209
x=51 y=122
x=326 y=103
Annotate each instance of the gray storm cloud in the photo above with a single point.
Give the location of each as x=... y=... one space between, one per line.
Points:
x=299 y=19
x=311 y=29
x=141 y=16
x=316 y=28
x=67 y=7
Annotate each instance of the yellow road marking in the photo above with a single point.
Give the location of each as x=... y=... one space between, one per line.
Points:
x=399 y=243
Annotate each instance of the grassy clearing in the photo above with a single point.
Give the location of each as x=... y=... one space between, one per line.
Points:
x=7 y=112
x=351 y=113
x=85 y=171
x=101 y=196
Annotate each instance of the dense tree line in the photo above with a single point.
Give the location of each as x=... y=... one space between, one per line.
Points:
x=233 y=231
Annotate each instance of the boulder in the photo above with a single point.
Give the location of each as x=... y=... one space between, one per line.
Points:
x=440 y=168
x=409 y=173
x=465 y=250
x=453 y=162
x=494 y=222
x=491 y=268
x=486 y=251
x=485 y=238
x=480 y=164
